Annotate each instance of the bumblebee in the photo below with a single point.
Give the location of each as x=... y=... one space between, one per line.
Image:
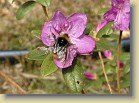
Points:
x=60 y=47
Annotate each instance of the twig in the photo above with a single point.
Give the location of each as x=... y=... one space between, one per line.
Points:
x=45 y=12
x=118 y=62
x=22 y=91
x=104 y=71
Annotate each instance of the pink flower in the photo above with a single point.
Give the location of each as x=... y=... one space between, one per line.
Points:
x=120 y=14
x=90 y=75
x=121 y=64
x=107 y=54
x=65 y=39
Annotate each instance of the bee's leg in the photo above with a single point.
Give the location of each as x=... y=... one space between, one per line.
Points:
x=55 y=48
x=62 y=55
x=50 y=49
x=42 y=48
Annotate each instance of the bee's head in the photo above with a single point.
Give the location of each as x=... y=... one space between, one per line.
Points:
x=62 y=42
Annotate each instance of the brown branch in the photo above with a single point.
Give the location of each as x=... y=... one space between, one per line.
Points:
x=118 y=62
x=22 y=91
x=45 y=12
x=104 y=71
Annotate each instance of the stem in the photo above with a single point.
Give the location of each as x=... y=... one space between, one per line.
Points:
x=45 y=12
x=118 y=62
x=104 y=71
x=22 y=91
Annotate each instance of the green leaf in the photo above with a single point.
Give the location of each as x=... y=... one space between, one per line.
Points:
x=114 y=36
x=125 y=56
x=36 y=33
x=39 y=62
x=127 y=67
x=23 y=9
x=48 y=66
x=109 y=69
x=126 y=82
x=106 y=30
x=74 y=77
x=45 y=3
x=88 y=28
x=103 y=44
x=102 y=11
x=36 y=55
x=89 y=84
x=111 y=36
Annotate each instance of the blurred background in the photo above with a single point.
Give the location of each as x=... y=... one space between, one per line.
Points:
x=16 y=39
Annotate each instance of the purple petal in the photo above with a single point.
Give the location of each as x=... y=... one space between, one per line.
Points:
x=110 y=15
x=85 y=44
x=114 y=3
x=71 y=54
x=122 y=20
x=90 y=75
x=46 y=34
x=127 y=5
x=59 y=21
x=101 y=25
x=107 y=54
x=78 y=24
